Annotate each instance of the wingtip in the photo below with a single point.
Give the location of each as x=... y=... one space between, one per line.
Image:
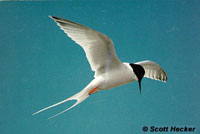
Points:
x=54 y=17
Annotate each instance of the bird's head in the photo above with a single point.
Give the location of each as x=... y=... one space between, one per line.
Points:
x=139 y=72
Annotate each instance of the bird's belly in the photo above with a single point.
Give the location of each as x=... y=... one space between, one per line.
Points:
x=114 y=83
x=115 y=80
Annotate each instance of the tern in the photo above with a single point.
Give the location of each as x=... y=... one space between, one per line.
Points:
x=109 y=71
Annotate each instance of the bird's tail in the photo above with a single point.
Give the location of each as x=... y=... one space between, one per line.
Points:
x=81 y=96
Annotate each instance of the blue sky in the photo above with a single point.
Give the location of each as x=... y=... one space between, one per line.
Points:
x=40 y=65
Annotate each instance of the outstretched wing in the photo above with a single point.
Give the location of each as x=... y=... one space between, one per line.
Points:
x=99 y=48
x=153 y=70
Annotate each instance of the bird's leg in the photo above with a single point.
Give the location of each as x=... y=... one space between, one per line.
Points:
x=93 y=90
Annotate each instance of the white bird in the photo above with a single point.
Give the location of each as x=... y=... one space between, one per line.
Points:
x=109 y=71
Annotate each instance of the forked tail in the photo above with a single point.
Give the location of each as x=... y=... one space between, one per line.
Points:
x=81 y=96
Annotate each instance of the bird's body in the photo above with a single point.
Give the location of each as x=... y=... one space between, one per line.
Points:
x=109 y=71
x=120 y=75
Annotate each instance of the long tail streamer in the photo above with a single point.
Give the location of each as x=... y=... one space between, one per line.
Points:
x=81 y=96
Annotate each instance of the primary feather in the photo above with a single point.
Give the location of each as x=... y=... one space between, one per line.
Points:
x=153 y=70
x=98 y=47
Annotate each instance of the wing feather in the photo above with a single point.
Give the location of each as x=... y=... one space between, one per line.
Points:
x=153 y=70
x=98 y=47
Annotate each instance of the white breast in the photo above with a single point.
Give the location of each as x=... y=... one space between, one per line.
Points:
x=120 y=75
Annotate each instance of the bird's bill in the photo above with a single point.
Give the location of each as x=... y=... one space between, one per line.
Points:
x=139 y=82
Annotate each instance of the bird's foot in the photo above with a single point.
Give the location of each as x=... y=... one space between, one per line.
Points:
x=93 y=91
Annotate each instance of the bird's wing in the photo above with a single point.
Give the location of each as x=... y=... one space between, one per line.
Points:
x=153 y=70
x=99 y=48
